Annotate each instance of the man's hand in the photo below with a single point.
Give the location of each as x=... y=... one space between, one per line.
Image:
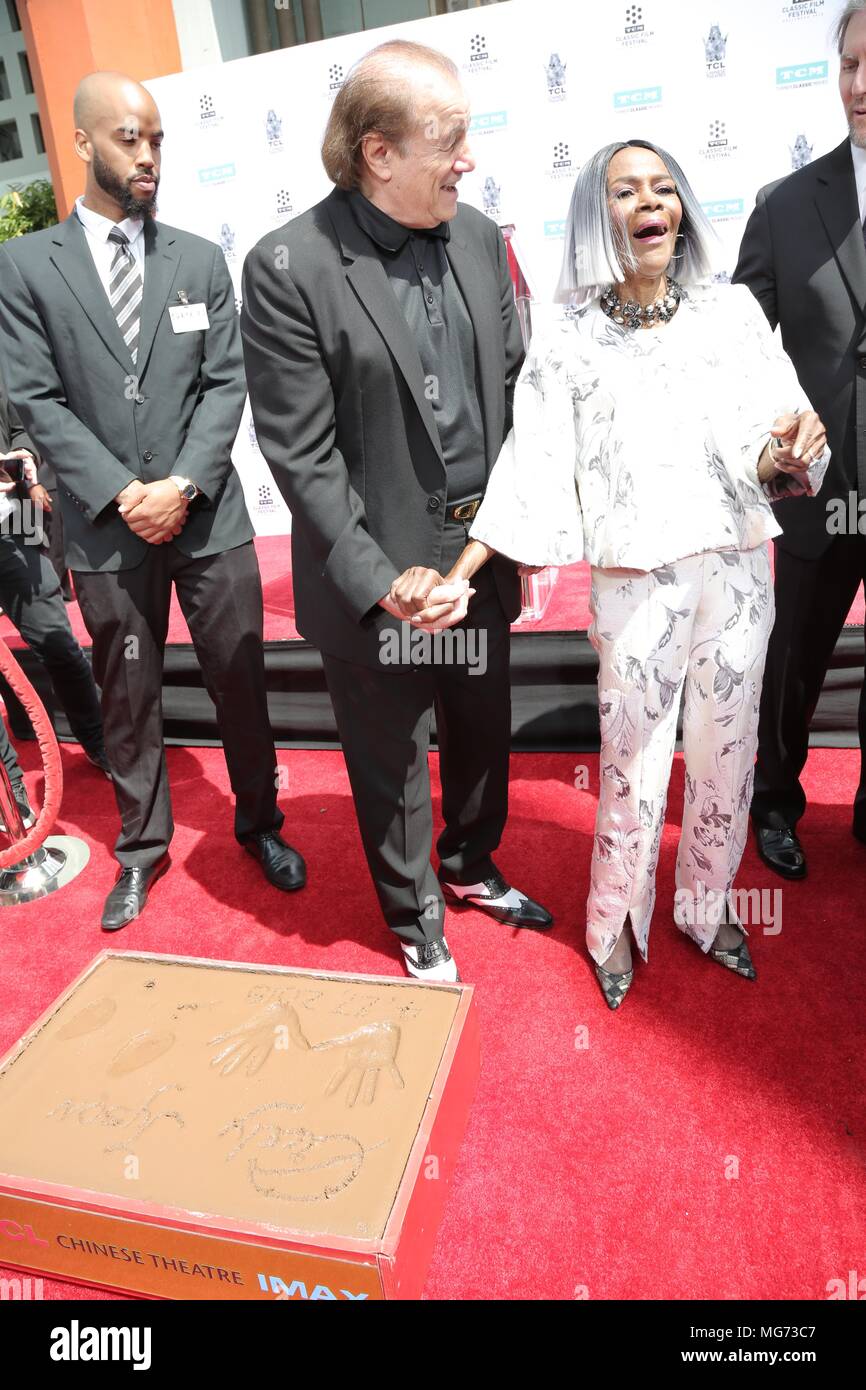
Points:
x=422 y=594
x=408 y=593
x=799 y=440
x=8 y=483
x=154 y=511
x=447 y=604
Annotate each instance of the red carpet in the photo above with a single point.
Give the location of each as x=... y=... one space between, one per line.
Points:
x=592 y=1170
x=568 y=607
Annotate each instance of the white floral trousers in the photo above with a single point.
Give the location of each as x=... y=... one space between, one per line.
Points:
x=702 y=623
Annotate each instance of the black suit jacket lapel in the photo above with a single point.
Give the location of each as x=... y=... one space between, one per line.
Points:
x=367 y=277
x=161 y=261
x=836 y=199
x=71 y=255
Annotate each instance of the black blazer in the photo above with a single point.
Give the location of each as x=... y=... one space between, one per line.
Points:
x=103 y=422
x=337 y=393
x=803 y=257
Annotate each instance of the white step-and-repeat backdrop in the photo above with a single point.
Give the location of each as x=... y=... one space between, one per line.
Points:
x=740 y=92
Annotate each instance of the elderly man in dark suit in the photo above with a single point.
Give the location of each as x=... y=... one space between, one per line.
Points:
x=803 y=257
x=382 y=347
x=122 y=354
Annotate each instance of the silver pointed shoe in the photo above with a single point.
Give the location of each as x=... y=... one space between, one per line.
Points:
x=614 y=987
x=736 y=958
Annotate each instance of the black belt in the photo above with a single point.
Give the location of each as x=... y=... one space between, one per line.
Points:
x=464 y=510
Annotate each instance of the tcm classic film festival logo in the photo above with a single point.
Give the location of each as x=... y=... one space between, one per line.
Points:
x=634 y=31
x=480 y=58
x=561 y=166
x=718 y=144
x=802 y=9
x=209 y=116
x=336 y=78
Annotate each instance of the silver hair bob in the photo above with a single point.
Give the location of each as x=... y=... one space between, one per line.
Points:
x=840 y=28
x=594 y=257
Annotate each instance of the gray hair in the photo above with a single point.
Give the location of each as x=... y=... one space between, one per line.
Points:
x=595 y=257
x=840 y=28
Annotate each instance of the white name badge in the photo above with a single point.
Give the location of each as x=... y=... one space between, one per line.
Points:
x=187 y=318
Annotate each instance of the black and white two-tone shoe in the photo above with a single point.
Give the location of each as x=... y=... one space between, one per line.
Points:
x=432 y=962
x=498 y=899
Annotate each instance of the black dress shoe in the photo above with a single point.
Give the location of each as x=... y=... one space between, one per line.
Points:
x=282 y=866
x=498 y=899
x=129 y=894
x=781 y=850
x=431 y=961
x=99 y=758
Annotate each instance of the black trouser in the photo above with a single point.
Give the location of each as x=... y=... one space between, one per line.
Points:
x=126 y=613
x=9 y=757
x=383 y=717
x=813 y=599
x=52 y=525
x=30 y=595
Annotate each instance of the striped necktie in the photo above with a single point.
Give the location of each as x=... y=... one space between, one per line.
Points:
x=125 y=288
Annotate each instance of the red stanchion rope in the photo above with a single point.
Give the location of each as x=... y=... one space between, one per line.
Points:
x=51 y=764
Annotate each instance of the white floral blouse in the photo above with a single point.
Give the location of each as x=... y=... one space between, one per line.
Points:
x=634 y=448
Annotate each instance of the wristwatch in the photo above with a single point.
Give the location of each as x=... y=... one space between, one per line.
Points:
x=185 y=486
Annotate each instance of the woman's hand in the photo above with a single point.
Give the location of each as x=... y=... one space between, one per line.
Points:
x=797 y=440
x=526 y=570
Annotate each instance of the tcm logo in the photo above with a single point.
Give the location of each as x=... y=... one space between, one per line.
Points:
x=854 y=1288
x=298 y=1289
x=486 y=121
x=724 y=207
x=802 y=74
x=13 y=1230
x=638 y=96
x=217 y=173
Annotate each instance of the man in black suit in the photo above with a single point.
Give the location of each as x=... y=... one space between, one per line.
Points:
x=803 y=257
x=382 y=347
x=30 y=592
x=122 y=354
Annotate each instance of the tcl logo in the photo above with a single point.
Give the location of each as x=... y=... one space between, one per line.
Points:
x=15 y=1231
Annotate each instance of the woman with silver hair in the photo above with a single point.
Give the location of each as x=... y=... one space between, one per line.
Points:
x=654 y=419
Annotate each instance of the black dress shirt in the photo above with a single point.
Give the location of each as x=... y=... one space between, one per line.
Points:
x=417 y=267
